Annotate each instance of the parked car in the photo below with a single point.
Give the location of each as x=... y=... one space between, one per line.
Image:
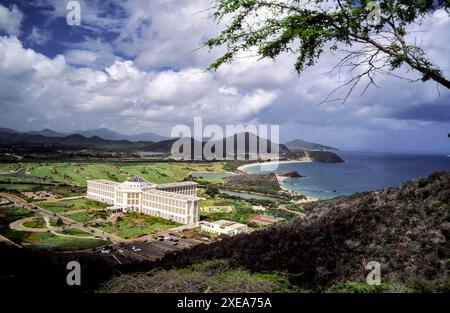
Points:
x=106 y=251
x=136 y=249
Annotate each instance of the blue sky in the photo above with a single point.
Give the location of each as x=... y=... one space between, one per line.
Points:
x=135 y=66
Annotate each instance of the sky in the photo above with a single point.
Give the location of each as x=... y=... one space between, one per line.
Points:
x=136 y=66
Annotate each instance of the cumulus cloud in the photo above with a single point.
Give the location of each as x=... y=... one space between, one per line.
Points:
x=38 y=37
x=54 y=89
x=137 y=68
x=10 y=20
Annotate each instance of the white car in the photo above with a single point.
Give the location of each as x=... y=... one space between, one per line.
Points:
x=120 y=250
x=106 y=251
x=136 y=249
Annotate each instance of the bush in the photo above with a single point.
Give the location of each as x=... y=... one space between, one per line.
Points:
x=358 y=287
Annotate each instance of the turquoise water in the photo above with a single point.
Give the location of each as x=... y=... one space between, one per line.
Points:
x=362 y=171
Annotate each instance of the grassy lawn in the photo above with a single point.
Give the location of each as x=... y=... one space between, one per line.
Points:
x=52 y=241
x=81 y=217
x=88 y=216
x=74 y=232
x=9 y=215
x=241 y=210
x=42 y=240
x=76 y=174
x=72 y=205
x=133 y=225
x=35 y=223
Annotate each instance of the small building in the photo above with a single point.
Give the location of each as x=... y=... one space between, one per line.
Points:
x=224 y=227
x=258 y=208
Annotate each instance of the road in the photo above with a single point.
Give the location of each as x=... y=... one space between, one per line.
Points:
x=151 y=249
x=21 y=202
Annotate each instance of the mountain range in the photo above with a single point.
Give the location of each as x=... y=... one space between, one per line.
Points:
x=103 y=133
x=47 y=141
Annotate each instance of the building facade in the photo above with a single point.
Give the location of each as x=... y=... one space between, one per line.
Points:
x=174 y=201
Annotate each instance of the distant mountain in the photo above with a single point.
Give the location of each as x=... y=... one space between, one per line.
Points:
x=248 y=150
x=112 y=135
x=47 y=140
x=8 y=130
x=100 y=132
x=37 y=143
x=298 y=144
x=47 y=133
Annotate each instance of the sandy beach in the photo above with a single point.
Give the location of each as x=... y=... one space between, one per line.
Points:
x=243 y=167
x=281 y=179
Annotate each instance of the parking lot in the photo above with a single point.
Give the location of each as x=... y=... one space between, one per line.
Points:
x=150 y=249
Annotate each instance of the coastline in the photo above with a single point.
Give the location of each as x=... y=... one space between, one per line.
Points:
x=307 y=199
x=281 y=178
x=243 y=167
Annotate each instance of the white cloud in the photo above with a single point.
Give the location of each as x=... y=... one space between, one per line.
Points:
x=38 y=37
x=80 y=57
x=10 y=20
x=151 y=77
x=54 y=90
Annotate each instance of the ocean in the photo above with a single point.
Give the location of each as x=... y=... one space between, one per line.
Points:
x=362 y=171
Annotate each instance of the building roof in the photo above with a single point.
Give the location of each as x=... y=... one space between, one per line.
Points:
x=171 y=195
x=177 y=184
x=137 y=179
x=104 y=181
x=228 y=224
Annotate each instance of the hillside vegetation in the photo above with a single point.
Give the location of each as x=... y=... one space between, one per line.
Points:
x=262 y=183
x=406 y=229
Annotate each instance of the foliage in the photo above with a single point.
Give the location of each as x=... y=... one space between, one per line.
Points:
x=358 y=287
x=133 y=225
x=404 y=229
x=374 y=40
x=211 y=276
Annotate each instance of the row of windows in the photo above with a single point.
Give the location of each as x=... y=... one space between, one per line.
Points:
x=101 y=186
x=164 y=215
x=102 y=192
x=133 y=195
x=165 y=207
x=163 y=200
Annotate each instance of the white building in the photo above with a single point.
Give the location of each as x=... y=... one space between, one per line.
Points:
x=175 y=201
x=224 y=227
